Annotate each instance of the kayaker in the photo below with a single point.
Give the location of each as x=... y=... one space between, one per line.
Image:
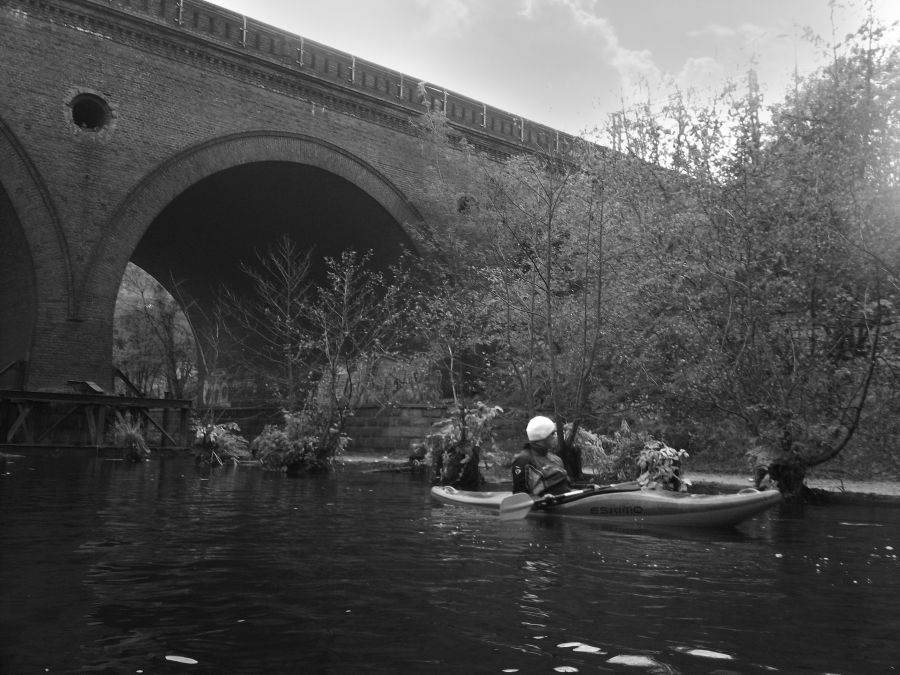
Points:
x=538 y=470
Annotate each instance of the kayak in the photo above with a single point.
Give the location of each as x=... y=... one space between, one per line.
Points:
x=629 y=507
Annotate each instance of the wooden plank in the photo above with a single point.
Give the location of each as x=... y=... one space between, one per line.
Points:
x=21 y=421
x=101 y=424
x=53 y=426
x=152 y=421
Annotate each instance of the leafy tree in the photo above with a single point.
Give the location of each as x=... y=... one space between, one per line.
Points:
x=315 y=347
x=545 y=298
x=356 y=318
x=778 y=278
x=532 y=301
x=456 y=331
x=838 y=138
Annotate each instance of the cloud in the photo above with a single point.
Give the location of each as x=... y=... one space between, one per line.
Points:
x=527 y=11
x=594 y=41
x=702 y=73
x=447 y=17
x=733 y=39
x=715 y=30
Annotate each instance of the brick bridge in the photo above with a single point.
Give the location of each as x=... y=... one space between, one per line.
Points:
x=180 y=136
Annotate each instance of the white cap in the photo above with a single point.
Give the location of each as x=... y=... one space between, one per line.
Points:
x=539 y=428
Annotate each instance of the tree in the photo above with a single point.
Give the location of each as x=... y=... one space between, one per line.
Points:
x=777 y=281
x=316 y=347
x=838 y=137
x=545 y=294
x=355 y=319
x=153 y=342
x=266 y=324
x=547 y=217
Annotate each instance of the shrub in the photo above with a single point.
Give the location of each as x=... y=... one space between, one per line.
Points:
x=218 y=443
x=635 y=456
x=292 y=447
x=127 y=435
x=456 y=445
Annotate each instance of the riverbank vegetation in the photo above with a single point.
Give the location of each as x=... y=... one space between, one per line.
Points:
x=722 y=275
x=726 y=278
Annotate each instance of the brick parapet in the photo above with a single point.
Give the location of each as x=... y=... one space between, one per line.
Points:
x=260 y=54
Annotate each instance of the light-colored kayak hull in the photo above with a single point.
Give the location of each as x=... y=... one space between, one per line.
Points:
x=637 y=508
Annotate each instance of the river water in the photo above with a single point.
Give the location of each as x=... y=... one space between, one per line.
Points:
x=108 y=567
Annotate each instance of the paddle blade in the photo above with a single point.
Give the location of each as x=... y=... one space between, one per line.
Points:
x=516 y=506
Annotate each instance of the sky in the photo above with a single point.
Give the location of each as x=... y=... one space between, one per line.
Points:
x=570 y=63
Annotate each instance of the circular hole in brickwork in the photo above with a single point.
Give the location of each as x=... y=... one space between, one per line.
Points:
x=90 y=112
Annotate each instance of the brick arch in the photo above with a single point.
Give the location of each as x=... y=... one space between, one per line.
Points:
x=34 y=211
x=35 y=269
x=144 y=203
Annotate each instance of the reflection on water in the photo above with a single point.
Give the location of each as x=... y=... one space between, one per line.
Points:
x=158 y=568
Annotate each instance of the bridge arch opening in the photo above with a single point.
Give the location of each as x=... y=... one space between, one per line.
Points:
x=201 y=239
x=206 y=233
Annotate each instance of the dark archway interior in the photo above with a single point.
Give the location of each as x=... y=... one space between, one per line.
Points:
x=206 y=233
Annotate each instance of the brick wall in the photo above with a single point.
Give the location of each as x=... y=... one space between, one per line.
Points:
x=395 y=429
x=392 y=429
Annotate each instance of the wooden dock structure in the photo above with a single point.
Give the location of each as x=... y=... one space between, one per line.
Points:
x=85 y=420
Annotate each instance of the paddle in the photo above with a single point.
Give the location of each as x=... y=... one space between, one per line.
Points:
x=518 y=505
